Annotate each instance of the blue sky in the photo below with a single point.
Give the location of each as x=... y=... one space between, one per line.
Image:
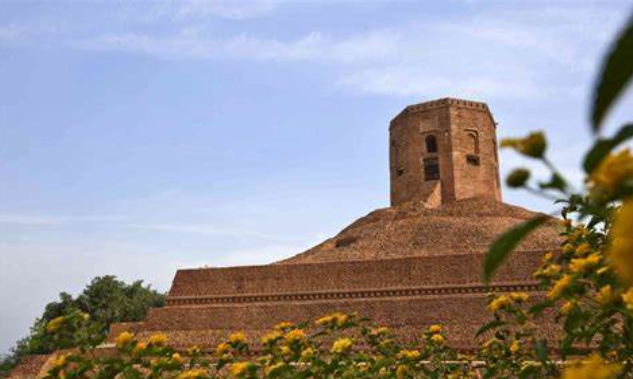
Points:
x=140 y=137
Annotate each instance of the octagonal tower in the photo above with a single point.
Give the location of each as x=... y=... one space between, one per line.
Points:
x=442 y=151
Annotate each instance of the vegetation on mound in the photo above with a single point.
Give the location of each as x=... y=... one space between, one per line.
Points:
x=105 y=300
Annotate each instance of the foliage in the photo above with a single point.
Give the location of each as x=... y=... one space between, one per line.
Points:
x=105 y=300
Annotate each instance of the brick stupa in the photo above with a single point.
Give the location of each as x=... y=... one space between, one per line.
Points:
x=413 y=264
x=408 y=266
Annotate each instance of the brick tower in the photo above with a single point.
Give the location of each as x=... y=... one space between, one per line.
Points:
x=442 y=151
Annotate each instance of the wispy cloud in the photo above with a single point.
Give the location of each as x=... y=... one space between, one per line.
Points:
x=205 y=229
x=420 y=82
x=183 y=11
x=52 y=220
x=498 y=52
x=189 y=43
x=501 y=53
x=11 y=33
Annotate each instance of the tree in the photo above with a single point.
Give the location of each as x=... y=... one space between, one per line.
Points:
x=105 y=299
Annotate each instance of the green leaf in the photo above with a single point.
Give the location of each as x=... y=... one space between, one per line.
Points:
x=542 y=351
x=604 y=146
x=556 y=182
x=506 y=243
x=617 y=70
x=488 y=326
x=528 y=372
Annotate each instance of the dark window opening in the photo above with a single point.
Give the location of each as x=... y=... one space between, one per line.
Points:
x=400 y=171
x=431 y=144
x=431 y=169
x=472 y=159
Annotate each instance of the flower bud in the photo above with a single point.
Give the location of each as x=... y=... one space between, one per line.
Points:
x=518 y=178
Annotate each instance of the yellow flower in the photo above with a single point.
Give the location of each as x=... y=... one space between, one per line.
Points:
x=381 y=331
x=549 y=271
x=548 y=257
x=567 y=307
x=295 y=335
x=59 y=361
x=274 y=367
x=237 y=337
x=565 y=223
x=560 y=286
x=270 y=337
x=579 y=232
x=437 y=338
x=519 y=297
x=592 y=368
x=620 y=247
x=498 y=303
x=139 y=348
x=614 y=170
x=401 y=371
x=222 y=348
x=193 y=374
x=285 y=351
x=194 y=350
x=158 y=339
x=55 y=324
x=176 y=358
x=341 y=345
x=583 y=249
x=124 y=339
x=239 y=368
x=336 y=318
x=627 y=297
x=606 y=296
x=436 y=328
x=307 y=353
x=583 y=264
x=283 y=325
x=515 y=346
x=408 y=354
x=568 y=247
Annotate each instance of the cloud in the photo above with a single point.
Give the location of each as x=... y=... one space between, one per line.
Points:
x=190 y=43
x=183 y=11
x=120 y=222
x=231 y=9
x=420 y=82
x=510 y=52
x=26 y=219
x=205 y=229
x=11 y=33
x=487 y=55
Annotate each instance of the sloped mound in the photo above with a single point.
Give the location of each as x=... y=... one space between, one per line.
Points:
x=412 y=229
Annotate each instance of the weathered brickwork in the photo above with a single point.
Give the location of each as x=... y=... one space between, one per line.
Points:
x=456 y=138
x=408 y=266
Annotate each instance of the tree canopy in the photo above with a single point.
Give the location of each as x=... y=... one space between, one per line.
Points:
x=105 y=299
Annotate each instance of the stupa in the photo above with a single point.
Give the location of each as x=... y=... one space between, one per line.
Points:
x=413 y=264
